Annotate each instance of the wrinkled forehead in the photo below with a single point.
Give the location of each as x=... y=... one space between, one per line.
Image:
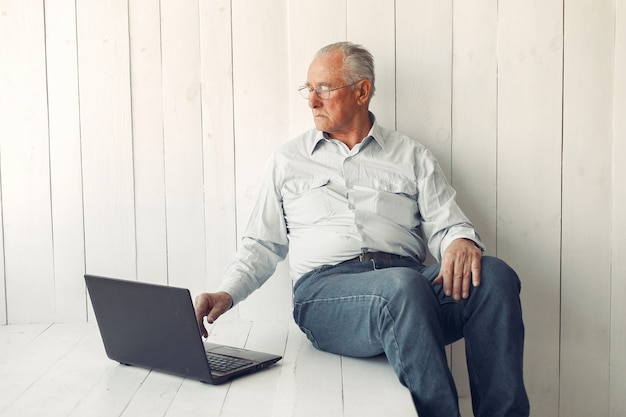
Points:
x=326 y=70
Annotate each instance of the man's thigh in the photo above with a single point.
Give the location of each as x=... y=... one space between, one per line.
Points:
x=344 y=310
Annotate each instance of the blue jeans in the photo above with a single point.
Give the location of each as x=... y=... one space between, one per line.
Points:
x=365 y=309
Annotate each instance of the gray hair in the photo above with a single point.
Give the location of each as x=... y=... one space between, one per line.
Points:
x=358 y=62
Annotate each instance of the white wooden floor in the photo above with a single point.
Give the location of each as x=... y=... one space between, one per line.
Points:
x=62 y=370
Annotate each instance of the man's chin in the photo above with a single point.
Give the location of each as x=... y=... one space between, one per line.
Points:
x=319 y=125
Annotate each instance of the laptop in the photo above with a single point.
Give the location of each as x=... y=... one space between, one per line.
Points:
x=154 y=327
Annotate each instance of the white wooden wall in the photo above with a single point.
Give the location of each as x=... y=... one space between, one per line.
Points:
x=133 y=133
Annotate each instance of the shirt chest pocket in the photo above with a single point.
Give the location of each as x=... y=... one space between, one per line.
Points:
x=396 y=199
x=305 y=200
x=396 y=184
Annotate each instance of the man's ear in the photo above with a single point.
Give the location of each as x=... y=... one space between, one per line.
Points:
x=363 y=91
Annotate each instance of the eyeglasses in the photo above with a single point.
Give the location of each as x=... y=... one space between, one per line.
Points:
x=322 y=91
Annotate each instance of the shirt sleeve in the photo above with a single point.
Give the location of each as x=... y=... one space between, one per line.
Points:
x=263 y=245
x=442 y=219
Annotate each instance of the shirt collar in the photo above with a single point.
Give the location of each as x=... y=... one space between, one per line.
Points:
x=375 y=133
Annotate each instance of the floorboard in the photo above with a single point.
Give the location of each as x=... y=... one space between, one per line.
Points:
x=60 y=370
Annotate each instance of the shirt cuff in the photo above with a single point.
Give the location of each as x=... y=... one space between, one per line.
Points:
x=461 y=233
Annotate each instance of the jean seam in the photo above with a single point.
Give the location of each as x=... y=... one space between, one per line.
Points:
x=401 y=367
x=347 y=297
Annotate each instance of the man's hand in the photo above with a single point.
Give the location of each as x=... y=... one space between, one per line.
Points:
x=211 y=305
x=460 y=267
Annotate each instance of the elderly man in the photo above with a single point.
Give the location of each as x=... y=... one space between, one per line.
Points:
x=357 y=206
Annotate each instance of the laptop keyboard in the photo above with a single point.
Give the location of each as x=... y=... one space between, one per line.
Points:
x=223 y=364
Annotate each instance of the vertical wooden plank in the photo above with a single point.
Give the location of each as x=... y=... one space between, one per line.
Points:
x=529 y=180
x=617 y=373
x=24 y=152
x=65 y=161
x=586 y=252
x=362 y=17
x=182 y=120
x=105 y=116
x=3 y=293
x=148 y=161
x=261 y=123
x=218 y=137
x=474 y=114
x=423 y=83
x=307 y=34
x=5 y=82
x=474 y=130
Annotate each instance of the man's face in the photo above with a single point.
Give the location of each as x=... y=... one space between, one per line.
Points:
x=335 y=114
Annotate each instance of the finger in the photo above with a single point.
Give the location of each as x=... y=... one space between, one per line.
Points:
x=438 y=280
x=476 y=271
x=467 y=279
x=446 y=278
x=203 y=330
x=200 y=307
x=221 y=304
x=213 y=315
x=459 y=271
x=457 y=282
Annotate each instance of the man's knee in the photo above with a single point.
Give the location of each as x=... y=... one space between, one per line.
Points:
x=498 y=276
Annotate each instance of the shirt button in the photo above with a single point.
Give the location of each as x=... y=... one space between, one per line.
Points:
x=351 y=206
x=359 y=226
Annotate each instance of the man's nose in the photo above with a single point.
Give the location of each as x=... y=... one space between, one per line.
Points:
x=314 y=100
